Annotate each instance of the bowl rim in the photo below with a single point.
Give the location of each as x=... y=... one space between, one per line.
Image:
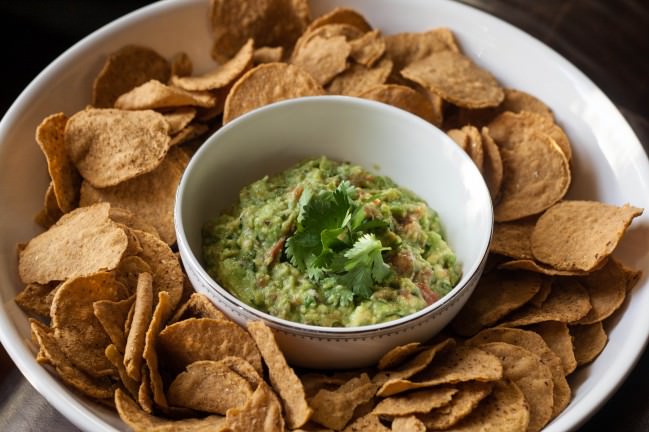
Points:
x=309 y=329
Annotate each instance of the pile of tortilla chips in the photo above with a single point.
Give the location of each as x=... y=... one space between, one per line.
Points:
x=117 y=319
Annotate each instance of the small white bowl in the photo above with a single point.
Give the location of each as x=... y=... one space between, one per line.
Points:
x=380 y=138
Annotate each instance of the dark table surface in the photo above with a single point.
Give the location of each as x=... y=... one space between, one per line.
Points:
x=607 y=39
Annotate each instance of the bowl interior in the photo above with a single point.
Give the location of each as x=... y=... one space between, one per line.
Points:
x=383 y=139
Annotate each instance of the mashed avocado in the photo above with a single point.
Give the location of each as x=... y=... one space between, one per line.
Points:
x=330 y=244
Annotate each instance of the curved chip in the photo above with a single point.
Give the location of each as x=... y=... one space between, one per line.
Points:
x=112 y=316
x=456 y=79
x=51 y=212
x=462 y=404
x=536 y=175
x=142 y=312
x=557 y=336
x=223 y=75
x=197 y=339
x=36 y=299
x=77 y=331
x=198 y=306
x=419 y=401
x=155 y=95
x=83 y=242
x=334 y=409
x=367 y=49
x=323 y=58
x=493 y=165
x=341 y=15
x=402 y=97
x=109 y=146
x=150 y=354
x=470 y=140
x=397 y=355
x=209 y=386
x=267 y=55
x=265 y=84
x=406 y=48
x=533 y=266
x=65 y=177
x=358 y=78
x=181 y=65
x=261 y=413
x=125 y=69
x=588 y=341
x=518 y=101
x=607 y=290
x=512 y=239
x=580 y=235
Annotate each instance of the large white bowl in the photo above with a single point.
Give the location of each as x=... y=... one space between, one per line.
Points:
x=411 y=151
x=609 y=163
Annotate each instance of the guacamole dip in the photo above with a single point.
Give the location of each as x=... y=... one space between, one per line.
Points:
x=330 y=244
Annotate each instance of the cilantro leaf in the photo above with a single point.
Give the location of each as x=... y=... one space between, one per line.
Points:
x=364 y=265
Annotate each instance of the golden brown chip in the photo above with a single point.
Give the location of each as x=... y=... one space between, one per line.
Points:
x=129 y=269
x=326 y=32
x=518 y=100
x=460 y=364
x=408 y=424
x=588 y=341
x=557 y=337
x=116 y=358
x=406 y=48
x=77 y=331
x=632 y=276
x=209 y=386
x=138 y=420
x=125 y=217
x=150 y=355
x=532 y=377
x=243 y=368
x=323 y=58
x=35 y=299
x=470 y=140
x=125 y=69
x=112 y=316
x=497 y=294
x=65 y=177
x=334 y=409
x=262 y=412
x=511 y=129
x=143 y=310
x=83 y=242
x=567 y=302
x=191 y=132
x=282 y=377
x=513 y=238
x=580 y=235
x=222 y=76
x=340 y=15
x=50 y=213
x=267 y=55
x=607 y=290
x=198 y=306
x=313 y=382
x=419 y=401
x=181 y=65
x=493 y=165
x=402 y=97
x=543 y=293
x=268 y=22
x=462 y=404
x=149 y=197
x=533 y=266
x=456 y=79
x=367 y=423
x=397 y=355
x=194 y=339
x=358 y=78
x=367 y=49
x=265 y=84
x=535 y=344
x=415 y=364
x=109 y=146
x=50 y=353
x=144 y=394
x=155 y=95
x=504 y=409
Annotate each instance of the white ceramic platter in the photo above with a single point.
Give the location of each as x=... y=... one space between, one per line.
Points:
x=609 y=163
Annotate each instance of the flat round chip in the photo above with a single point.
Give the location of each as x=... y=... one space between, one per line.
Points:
x=402 y=97
x=588 y=341
x=341 y=15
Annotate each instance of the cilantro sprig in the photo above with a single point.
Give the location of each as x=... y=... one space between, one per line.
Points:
x=334 y=237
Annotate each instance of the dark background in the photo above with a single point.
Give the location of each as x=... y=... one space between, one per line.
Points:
x=607 y=39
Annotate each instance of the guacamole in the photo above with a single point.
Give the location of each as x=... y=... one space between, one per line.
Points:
x=330 y=244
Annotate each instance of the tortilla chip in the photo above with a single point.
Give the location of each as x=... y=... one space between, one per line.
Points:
x=497 y=294
x=334 y=409
x=112 y=316
x=191 y=340
x=588 y=341
x=456 y=79
x=65 y=177
x=83 y=242
x=341 y=15
x=268 y=22
x=191 y=132
x=513 y=239
x=262 y=412
x=326 y=32
x=181 y=65
x=126 y=69
x=198 y=306
x=155 y=95
x=50 y=353
x=460 y=364
x=367 y=423
x=109 y=146
x=408 y=424
x=144 y=394
x=632 y=276
x=129 y=270
x=358 y=78
x=580 y=235
x=35 y=299
x=244 y=369
x=50 y=213
x=323 y=58
x=265 y=84
x=367 y=49
x=419 y=401
x=397 y=355
x=209 y=386
x=493 y=165
x=557 y=337
x=567 y=302
x=116 y=358
x=140 y=421
x=607 y=290
x=470 y=140
x=511 y=129
x=141 y=320
x=179 y=118
x=402 y=97
x=282 y=377
x=406 y=48
x=222 y=76
x=533 y=266
x=462 y=404
x=536 y=175
x=150 y=355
